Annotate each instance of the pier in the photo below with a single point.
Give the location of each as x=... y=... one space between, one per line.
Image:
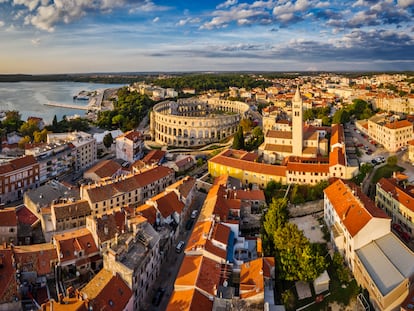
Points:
x=68 y=106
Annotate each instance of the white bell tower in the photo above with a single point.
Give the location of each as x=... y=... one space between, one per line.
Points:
x=297 y=124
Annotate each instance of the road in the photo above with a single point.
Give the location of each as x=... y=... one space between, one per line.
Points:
x=171 y=267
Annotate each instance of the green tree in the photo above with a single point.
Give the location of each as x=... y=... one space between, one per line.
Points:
x=341 y=116
x=392 y=160
x=108 y=140
x=246 y=124
x=13 y=121
x=276 y=216
x=118 y=120
x=238 y=139
x=271 y=188
x=55 y=123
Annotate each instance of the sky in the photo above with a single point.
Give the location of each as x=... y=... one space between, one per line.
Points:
x=83 y=36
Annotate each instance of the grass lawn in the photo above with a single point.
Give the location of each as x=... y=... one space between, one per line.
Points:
x=385 y=171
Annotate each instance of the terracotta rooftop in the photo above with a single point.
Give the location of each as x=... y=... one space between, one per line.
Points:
x=250 y=195
x=307 y=167
x=105 y=168
x=183 y=186
x=399 y=124
x=25 y=216
x=154 y=157
x=183 y=162
x=127 y=184
x=147 y=211
x=220 y=233
x=167 y=203
x=8 y=285
x=260 y=168
x=70 y=242
x=189 y=300
x=268 y=265
x=352 y=206
x=251 y=278
x=336 y=157
x=337 y=136
x=199 y=235
x=404 y=196
x=69 y=209
x=8 y=217
x=279 y=134
x=17 y=163
x=107 y=291
x=39 y=258
x=200 y=272
x=108 y=225
x=131 y=135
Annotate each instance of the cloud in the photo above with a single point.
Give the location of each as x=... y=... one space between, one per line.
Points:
x=2 y=23
x=226 y=4
x=405 y=3
x=45 y=14
x=188 y=20
x=156 y=19
x=35 y=42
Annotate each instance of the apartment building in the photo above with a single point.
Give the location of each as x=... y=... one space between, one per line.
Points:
x=54 y=159
x=84 y=147
x=17 y=176
x=136 y=257
x=361 y=232
x=397 y=200
x=131 y=189
x=8 y=225
x=130 y=146
x=392 y=134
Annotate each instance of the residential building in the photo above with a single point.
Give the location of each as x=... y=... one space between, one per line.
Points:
x=105 y=169
x=361 y=232
x=27 y=225
x=154 y=157
x=132 y=189
x=136 y=258
x=69 y=214
x=77 y=252
x=40 y=200
x=391 y=133
x=130 y=146
x=397 y=200
x=352 y=218
x=84 y=147
x=8 y=225
x=16 y=177
x=9 y=295
x=54 y=159
x=183 y=164
x=107 y=291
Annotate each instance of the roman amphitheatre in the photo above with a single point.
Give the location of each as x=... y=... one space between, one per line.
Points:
x=195 y=122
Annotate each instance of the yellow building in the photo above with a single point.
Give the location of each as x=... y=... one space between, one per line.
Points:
x=392 y=134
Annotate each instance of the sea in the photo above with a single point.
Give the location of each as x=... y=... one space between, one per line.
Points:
x=29 y=98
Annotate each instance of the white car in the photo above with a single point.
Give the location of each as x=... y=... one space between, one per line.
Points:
x=194 y=214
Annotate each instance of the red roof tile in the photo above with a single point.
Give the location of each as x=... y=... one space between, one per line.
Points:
x=25 y=216
x=189 y=300
x=39 y=258
x=8 y=285
x=8 y=217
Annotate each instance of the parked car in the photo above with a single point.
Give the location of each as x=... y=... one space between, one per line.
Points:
x=194 y=214
x=189 y=224
x=180 y=246
x=158 y=296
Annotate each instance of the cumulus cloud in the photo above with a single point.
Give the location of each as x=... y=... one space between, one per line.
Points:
x=188 y=20
x=156 y=19
x=1 y=23
x=405 y=3
x=46 y=14
x=226 y=4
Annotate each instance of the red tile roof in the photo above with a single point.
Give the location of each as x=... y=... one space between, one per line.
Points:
x=268 y=266
x=25 y=216
x=8 y=217
x=129 y=183
x=221 y=233
x=167 y=203
x=70 y=242
x=148 y=211
x=251 y=278
x=399 y=124
x=250 y=195
x=352 y=206
x=39 y=258
x=154 y=156
x=107 y=291
x=337 y=136
x=8 y=285
x=17 y=164
x=105 y=168
x=189 y=300
x=404 y=196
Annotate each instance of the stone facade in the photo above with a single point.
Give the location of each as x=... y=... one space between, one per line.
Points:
x=195 y=121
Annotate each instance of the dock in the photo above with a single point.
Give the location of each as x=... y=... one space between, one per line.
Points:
x=68 y=106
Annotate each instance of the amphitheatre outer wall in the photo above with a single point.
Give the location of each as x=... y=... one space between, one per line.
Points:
x=195 y=122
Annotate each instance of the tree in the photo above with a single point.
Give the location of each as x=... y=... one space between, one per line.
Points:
x=13 y=121
x=270 y=190
x=54 y=123
x=392 y=160
x=238 y=139
x=22 y=142
x=41 y=136
x=29 y=127
x=276 y=216
x=246 y=124
x=108 y=140
x=118 y=120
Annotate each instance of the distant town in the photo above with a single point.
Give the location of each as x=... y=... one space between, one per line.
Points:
x=212 y=191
